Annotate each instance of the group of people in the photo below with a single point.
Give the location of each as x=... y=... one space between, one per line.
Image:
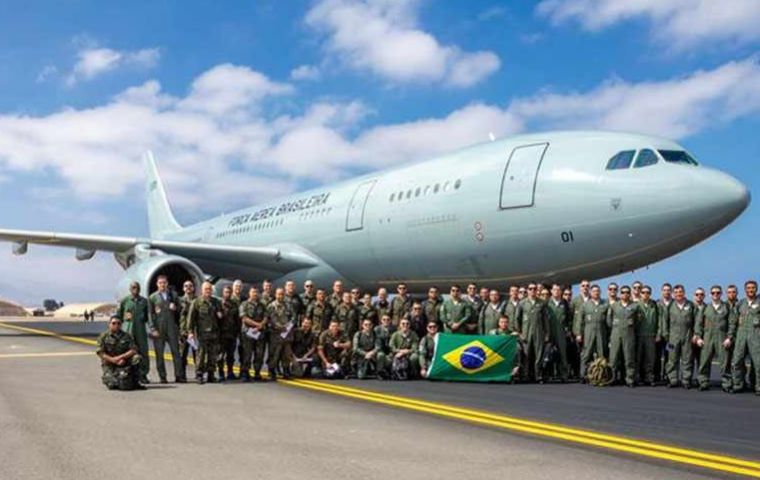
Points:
x=352 y=333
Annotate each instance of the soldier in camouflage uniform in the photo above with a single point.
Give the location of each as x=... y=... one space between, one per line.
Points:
x=533 y=324
x=489 y=315
x=622 y=319
x=367 y=352
x=119 y=358
x=309 y=294
x=320 y=311
x=404 y=343
x=203 y=321
x=237 y=296
x=431 y=307
x=711 y=332
x=427 y=348
x=267 y=293
x=304 y=350
x=184 y=308
x=334 y=348
x=133 y=312
x=746 y=331
x=281 y=324
x=164 y=311
x=591 y=331
x=560 y=325
x=647 y=336
x=336 y=298
x=255 y=335
x=367 y=310
x=229 y=331
x=401 y=304
x=457 y=314
x=296 y=305
x=347 y=316
x=680 y=332
x=382 y=305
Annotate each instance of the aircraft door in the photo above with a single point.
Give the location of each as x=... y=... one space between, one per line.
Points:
x=355 y=215
x=518 y=184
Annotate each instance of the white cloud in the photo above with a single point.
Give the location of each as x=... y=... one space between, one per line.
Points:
x=673 y=108
x=94 y=61
x=679 y=24
x=305 y=72
x=46 y=73
x=382 y=36
x=217 y=147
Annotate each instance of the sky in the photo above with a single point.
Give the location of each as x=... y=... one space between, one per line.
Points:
x=241 y=101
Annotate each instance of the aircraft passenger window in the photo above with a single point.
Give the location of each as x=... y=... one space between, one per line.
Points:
x=678 y=156
x=457 y=184
x=621 y=160
x=446 y=186
x=408 y=194
x=437 y=187
x=427 y=189
x=417 y=192
x=646 y=158
x=393 y=195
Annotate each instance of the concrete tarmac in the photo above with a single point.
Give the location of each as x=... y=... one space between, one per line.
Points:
x=58 y=421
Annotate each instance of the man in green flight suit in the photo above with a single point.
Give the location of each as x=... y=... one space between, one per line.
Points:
x=746 y=331
x=401 y=304
x=490 y=313
x=457 y=313
x=622 y=318
x=647 y=336
x=592 y=330
x=133 y=312
x=203 y=328
x=427 y=348
x=560 y=324
x=711 y=335
x=533 y=325
x=119 y=358
x=404 y=345
x=164 y=309
x=680 y=332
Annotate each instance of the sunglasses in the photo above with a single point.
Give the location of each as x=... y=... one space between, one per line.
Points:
x=715 y=293
x=625 y=292
x=699 y=294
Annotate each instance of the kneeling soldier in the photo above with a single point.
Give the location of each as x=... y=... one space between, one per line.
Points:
x=120 y=361
x=404 y=346
x=304 y=348
x=367 y=351
x=427 y=348
x=334 y=348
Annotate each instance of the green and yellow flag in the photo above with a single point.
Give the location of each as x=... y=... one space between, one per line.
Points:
x=473 y=358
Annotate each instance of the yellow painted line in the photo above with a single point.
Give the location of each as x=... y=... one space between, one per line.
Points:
x=559 y=432
x=648 y=449
x=45 y=354
x=47 y=333
x=380 y=397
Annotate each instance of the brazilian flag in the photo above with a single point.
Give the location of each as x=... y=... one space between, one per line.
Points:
x=473 y=358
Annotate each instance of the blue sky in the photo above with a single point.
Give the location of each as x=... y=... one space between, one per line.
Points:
x=272 y=97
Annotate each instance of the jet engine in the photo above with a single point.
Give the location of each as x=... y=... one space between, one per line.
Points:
x=146 y=272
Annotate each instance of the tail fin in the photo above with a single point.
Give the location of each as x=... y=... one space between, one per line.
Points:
x=160 y=218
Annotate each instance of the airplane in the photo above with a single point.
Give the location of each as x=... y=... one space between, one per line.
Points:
x=552 y=206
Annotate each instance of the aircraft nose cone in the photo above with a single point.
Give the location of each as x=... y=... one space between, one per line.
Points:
x=733 y=195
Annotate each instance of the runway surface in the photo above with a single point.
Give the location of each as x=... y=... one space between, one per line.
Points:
x=56 y=408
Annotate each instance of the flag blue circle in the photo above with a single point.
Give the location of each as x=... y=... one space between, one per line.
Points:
x=472 y=358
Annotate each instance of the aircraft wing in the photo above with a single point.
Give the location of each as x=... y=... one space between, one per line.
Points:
x=271 y=258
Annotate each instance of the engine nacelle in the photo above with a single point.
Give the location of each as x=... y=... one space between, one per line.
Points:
x=146 y=271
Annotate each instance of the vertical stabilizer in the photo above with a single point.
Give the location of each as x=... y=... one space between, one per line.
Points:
x=160 y=218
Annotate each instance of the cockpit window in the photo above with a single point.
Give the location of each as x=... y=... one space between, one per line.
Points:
x=646 y=158
x=678 y=156
x=621 y=160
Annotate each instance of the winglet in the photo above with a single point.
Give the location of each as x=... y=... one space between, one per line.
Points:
x=160 y=217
